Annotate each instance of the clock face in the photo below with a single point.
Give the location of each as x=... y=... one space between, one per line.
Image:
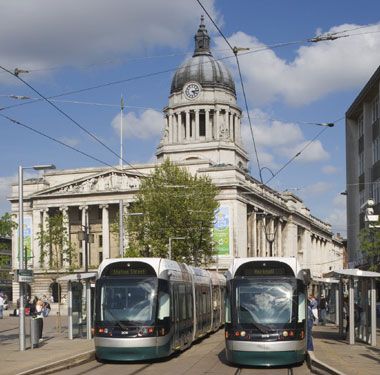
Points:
x=192 y=90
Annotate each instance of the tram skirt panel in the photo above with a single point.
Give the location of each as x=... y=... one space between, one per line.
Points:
x=265 y=353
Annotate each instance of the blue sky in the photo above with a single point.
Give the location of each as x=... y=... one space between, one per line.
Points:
x=71 y=45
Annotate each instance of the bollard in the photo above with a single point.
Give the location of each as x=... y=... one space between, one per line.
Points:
x=33 y=333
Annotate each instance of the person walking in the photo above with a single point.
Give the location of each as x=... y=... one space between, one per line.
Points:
x=2 y=302
x=310 y=323
x=39 y=319
x=314 y=308
x=322 y=310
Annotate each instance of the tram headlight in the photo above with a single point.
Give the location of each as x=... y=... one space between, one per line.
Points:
x=243 y=333
x=285 y=333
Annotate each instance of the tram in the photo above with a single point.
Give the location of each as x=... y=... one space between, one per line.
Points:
x=147 y=308
x=266 y=310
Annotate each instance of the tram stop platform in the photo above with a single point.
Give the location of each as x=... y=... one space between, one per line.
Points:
x=334 y=355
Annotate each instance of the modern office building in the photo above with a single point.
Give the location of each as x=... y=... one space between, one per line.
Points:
x=363 y=163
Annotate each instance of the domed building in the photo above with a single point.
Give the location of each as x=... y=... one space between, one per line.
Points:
x=202 y=117
x=201 y=132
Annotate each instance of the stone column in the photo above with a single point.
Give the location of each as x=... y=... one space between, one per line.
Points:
x=192 y=124
x=207 y=124
x=179 y=127
x=105 y=231
x=217 y=123
x=85 y=224
x=280 y=251
x=66 y=224
x=249 y=235
x=196 y=124
x=166 y=136
x=237 y=130
x=263 y=241
x=254 y=234
x=187 y=125
x=171 y=135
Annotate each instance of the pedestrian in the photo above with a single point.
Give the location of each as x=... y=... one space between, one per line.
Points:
x=322 y=310
x=310 y=323
x=314 y=308
x=2 y=302
x=39 y=319
x=346 y=316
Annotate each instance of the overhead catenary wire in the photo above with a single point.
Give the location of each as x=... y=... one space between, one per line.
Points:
x=152 y=74
x=55 y=140
x=16 y=74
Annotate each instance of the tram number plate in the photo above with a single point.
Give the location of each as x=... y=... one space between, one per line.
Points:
x=124 y=332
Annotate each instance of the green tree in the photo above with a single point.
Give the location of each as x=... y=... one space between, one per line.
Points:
x=170 y=204
x=370 y=245
x=6 y=227
x=55 y=244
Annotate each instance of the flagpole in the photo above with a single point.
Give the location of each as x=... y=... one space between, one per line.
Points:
x=121 y=130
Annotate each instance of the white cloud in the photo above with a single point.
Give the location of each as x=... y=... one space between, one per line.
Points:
x=277 y=142
x=317 y=188
x=329 y=169
x=149 y=124
x=49 y=33
x=313 y=152
x=337 y=216
x=5 y=191
x=70 y=141
x=317 y=70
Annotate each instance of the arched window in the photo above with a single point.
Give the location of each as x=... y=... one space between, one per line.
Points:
x=55 y=289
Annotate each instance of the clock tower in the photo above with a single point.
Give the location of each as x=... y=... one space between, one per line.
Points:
x=202 y=119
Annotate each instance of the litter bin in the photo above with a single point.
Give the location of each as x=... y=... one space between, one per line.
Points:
x=34 y=339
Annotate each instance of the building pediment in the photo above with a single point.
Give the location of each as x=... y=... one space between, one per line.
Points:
x=103 y=182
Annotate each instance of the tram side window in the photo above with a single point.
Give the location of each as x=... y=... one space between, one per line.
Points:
x=227 y=308
x=189 y=302
x=182 y=302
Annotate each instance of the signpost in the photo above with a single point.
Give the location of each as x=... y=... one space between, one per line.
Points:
x=24 y=276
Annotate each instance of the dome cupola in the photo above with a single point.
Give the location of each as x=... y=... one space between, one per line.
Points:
x=202 y=67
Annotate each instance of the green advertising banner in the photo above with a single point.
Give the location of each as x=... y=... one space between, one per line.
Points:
x=221 y=232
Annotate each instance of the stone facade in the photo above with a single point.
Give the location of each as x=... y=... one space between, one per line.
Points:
x=201 y=133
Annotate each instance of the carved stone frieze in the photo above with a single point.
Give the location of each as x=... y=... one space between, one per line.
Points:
x=109 y=182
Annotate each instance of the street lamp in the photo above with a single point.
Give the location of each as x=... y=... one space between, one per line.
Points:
x=21 y=245
x=170 y=244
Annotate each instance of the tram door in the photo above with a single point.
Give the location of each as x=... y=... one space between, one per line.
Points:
x=175 y=317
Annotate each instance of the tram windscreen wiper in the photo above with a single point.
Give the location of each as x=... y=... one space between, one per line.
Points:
x=261 y=328
x=118 y=322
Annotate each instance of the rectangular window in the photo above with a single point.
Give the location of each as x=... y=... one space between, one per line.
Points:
x=376 y=150
x=360 y=125
x=375 y=109
x=376 y=191
x=361 y=163
x=100 y=240
x=80 y=260
x=100 y=256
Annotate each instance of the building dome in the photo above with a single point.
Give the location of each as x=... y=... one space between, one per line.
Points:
x=202 y=67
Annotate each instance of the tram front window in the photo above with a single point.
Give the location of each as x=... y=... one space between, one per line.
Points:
x=129 y=301
x=266 y=302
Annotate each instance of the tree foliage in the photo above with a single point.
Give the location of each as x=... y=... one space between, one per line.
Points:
x=172 y=204
x=370 y=245
x=7 y=225
x=54 y=243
